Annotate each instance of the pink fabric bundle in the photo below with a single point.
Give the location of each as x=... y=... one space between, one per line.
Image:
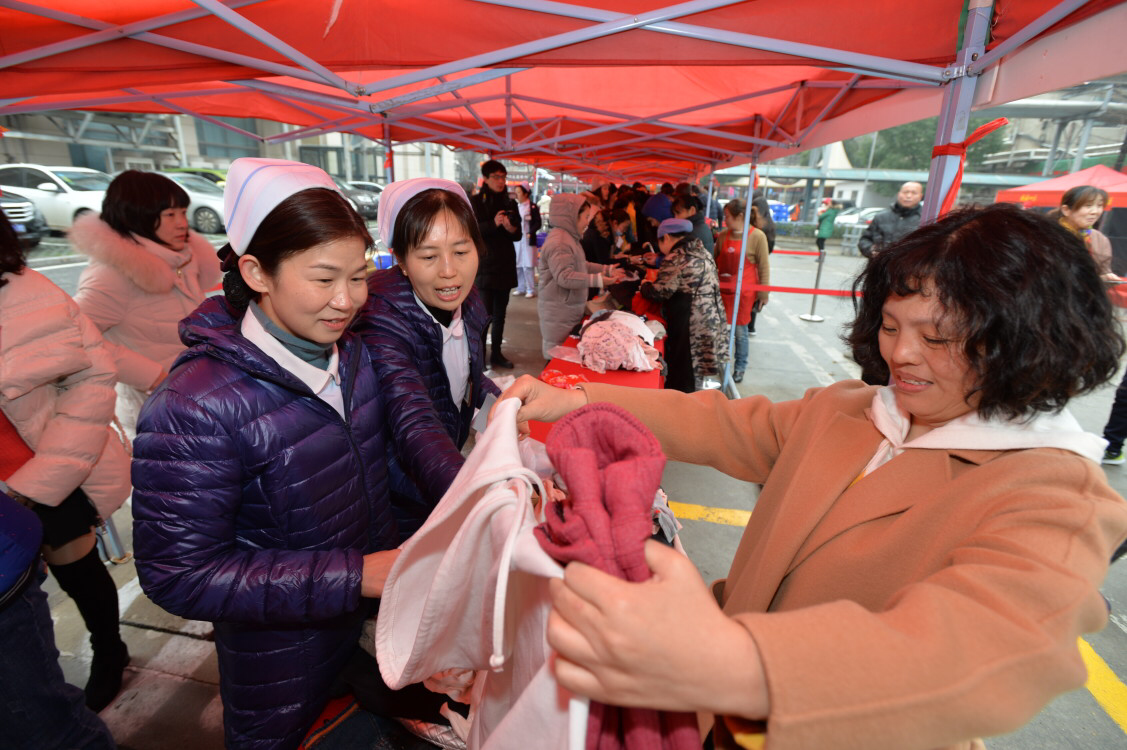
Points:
x=612 y=466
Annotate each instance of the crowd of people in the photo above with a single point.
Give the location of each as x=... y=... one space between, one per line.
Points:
x=290 y=434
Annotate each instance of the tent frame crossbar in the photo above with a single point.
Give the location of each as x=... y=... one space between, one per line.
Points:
x=954 y=115
x=862 y=63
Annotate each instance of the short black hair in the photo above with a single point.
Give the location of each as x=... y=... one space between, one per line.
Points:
x=685 y=200
x=1022 y=293
x=491 y=166
x=415 y=219
x=667 y=188
x=11 y=254
x=135 y=200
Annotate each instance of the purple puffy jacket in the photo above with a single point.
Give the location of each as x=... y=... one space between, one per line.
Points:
x=428 y=428
x=253 y=506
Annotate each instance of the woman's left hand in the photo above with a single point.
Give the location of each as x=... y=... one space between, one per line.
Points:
x=662 y=643
x=377 y=567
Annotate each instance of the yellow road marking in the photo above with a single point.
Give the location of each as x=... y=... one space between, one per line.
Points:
x=1102 y=683
x=726 y=516
x=1104 y=686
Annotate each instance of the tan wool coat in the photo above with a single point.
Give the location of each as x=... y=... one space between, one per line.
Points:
x=936 y=600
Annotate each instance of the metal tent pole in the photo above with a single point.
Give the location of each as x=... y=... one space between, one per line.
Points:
x=955 y=113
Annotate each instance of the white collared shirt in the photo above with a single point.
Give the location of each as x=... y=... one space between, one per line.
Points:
x=455 y=353
x=324 y=383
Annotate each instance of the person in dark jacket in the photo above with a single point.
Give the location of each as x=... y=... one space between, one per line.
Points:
x=260 y=499
x=424 y=327
x=498 y=220
x=39 y=708
x=689 y=207
x=901 y=219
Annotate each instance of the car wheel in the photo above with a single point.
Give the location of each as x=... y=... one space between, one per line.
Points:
x=207 y=221
x=79 y=212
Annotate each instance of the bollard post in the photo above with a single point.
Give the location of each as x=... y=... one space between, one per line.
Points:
x=810 y=317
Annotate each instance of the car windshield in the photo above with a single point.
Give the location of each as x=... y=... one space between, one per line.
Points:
x=77 y=180
x=195 y=183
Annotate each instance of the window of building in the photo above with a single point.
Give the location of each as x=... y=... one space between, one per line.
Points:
x=226 y=144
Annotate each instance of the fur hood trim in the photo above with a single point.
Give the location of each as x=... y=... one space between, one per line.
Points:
x=95 y=238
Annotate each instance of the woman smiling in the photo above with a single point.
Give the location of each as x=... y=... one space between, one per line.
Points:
x=260 y=499
x=424 y=327
x=924 y=555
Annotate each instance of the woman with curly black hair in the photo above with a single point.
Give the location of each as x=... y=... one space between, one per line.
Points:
x=923 y=555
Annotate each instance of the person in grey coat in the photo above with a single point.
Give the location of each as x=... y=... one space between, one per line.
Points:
x=565 y=274
x=901 y=219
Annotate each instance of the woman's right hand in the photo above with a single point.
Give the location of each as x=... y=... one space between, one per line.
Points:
x=377 y=567
x=540 y=401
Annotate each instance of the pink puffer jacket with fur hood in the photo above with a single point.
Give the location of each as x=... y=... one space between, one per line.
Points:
x=57 y=389
x=137 y=292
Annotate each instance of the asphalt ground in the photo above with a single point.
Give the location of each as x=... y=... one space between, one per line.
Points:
x=170 y=699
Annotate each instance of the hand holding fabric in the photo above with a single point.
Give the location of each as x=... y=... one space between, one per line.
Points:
x=661 y=643
x=540 y=401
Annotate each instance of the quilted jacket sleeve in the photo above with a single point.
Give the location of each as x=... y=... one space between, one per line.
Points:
x=426 y=450
x=62 y=351
x=103 y=296
x=188 y=473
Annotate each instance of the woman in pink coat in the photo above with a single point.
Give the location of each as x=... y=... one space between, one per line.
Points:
x=923 y=555
x=58 y=455
x=147 y=272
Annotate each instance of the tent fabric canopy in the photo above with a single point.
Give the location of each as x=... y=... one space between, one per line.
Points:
x=632 y=89
x=1048 y=193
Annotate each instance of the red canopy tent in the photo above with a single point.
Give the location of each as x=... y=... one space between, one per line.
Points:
x=618 y=87
x=1047 y=193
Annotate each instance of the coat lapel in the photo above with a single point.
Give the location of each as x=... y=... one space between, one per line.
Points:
x=791 y=508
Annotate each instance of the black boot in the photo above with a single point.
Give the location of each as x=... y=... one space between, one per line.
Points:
x=88 y=582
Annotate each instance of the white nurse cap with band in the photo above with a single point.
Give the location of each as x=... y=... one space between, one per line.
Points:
x=255 y=187
x=395 y=196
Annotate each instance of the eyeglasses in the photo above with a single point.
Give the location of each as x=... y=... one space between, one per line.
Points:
x=497 y=176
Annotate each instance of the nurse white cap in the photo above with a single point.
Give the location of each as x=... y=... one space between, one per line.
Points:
x=395 y=196
x=255 y=187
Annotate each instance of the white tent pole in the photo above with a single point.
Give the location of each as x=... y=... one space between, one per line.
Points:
x=976 y=66
x=389 y=156
x=955 y=114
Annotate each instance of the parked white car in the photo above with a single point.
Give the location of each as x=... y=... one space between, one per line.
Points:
x=861 y=216
x=60 y=193
x=205 y=210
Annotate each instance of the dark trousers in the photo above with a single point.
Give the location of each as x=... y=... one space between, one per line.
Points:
x=496 y=305
x=1115 y=431
x=38 y=708
x=821 y=243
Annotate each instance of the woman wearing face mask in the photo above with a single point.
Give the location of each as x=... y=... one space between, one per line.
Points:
x=565 y=273
x=259 y=470
x=147 y=271
x=424 y=326
x=1080 y=210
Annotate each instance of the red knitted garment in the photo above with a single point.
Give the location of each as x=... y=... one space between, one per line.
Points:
x=612 y=467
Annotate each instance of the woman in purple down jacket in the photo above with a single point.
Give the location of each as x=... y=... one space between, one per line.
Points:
x=260 y=498
x=424 y=326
